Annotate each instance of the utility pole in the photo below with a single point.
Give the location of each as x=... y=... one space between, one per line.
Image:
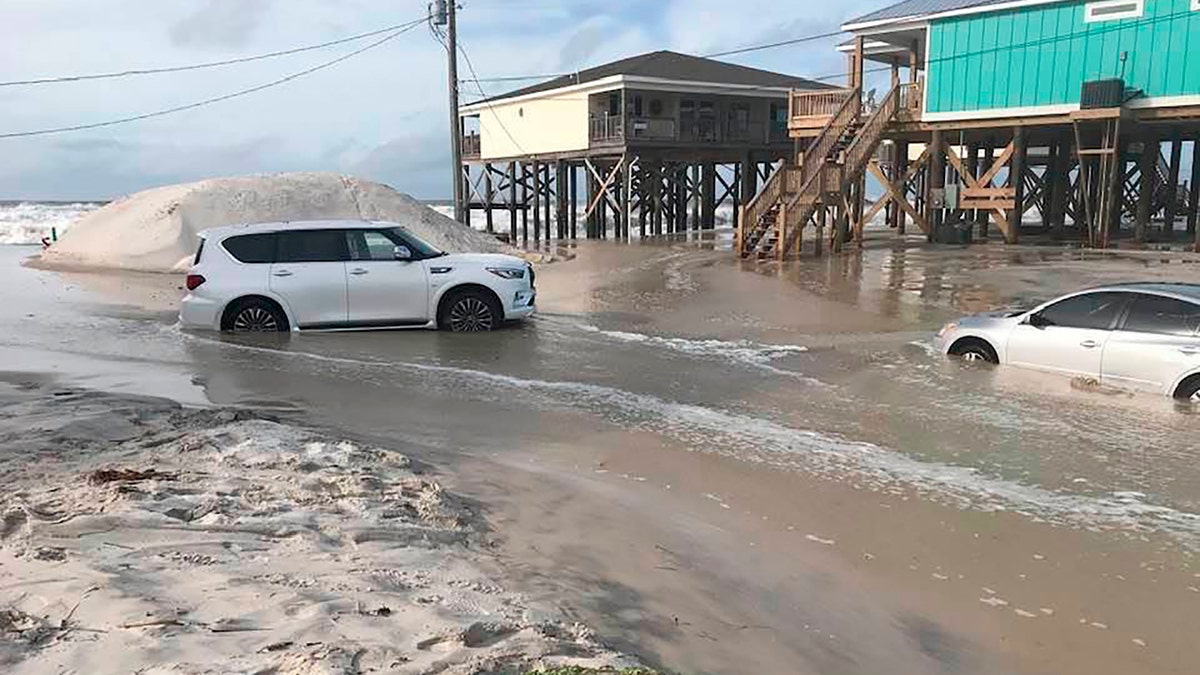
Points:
x=445 y=14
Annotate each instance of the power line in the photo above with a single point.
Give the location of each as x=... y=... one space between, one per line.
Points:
x=404 y=28
x=773 y=45
x=486 y=101
x=200 y=66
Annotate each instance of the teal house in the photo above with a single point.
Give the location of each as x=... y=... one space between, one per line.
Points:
x=1017 y=58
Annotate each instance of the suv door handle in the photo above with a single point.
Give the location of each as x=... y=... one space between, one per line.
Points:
x=1089 y=344
x=358 y=271
x=283 y=273
x=1190 y=351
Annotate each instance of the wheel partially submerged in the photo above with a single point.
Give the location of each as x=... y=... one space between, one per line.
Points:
x=974 y=351
x=470 y=311
x=254 y=316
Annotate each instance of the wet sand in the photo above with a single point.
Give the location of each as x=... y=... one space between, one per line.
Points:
x=736 y=470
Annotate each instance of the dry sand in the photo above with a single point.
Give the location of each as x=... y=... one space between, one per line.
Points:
x=157 y=230
x=138 y=536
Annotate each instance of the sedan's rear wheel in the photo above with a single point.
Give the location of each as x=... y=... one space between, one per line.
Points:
x=974 y=351
x=1189 y=390
x=470 y=312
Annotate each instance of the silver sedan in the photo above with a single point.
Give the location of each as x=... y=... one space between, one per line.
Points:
x=1132 y=336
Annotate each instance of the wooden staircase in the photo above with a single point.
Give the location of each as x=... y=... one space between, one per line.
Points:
x=771 y=224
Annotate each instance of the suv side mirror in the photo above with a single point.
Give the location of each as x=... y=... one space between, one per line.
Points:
x=402 y=253
x=1037 y=321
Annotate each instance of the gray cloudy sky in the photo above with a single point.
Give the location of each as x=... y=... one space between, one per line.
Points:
x=381 y=115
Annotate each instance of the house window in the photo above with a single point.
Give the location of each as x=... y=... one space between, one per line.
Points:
x=637 y=102
x=1111 y=10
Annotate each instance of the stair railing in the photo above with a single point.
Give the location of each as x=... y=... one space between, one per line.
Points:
x=825 y=142
x=867 y=141
x=754 y=210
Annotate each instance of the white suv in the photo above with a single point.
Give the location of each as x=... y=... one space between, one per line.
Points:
x=347 y=274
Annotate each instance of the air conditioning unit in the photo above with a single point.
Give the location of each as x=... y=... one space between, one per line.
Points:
x=1102 y=94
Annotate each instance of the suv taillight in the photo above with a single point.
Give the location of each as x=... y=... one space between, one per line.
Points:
x=194 y=281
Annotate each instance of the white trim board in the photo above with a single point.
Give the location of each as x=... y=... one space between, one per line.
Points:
x=1062 y=109
x=966 y=11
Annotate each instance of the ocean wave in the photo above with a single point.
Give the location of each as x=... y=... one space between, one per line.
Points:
x=29 y=222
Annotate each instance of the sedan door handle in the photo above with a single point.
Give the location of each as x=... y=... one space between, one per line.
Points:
x=283 y=273
x=359 y=272
x=1089 y=344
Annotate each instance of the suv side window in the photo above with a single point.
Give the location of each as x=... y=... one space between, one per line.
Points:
x=299 y=246
x=250 y=248
x=1091 y=310
x=371 y=245
x=1164 y=316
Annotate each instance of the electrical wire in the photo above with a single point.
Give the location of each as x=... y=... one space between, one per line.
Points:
x=201 y=66
x=218 y=99
x=471 y=67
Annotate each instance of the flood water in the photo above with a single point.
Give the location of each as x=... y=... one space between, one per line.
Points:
x=787 y=430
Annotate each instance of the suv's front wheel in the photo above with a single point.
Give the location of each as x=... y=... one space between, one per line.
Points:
x=470 y=311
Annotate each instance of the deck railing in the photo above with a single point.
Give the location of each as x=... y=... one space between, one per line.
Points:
x=810 y=104
x=471 y=146
x=912 y=100
x=606 y=128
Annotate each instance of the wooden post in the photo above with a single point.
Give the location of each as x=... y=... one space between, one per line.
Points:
x=627 y=196
x=1059 y=183
x=1016 y=180
x=822 y=219
x=937 y=181
x=914 y=63
x=681 y=199
x=1146 y=165
x=694 y=195
x=537 y=202
x=590 y=220
x=560 y=181
x=1194 y=194
x=1172 y=207
x=524 y=204
x=512 y=203
x=901 y=170
x=488 y=197
x=972 y=167
x=708 y=196
x=856 y=62
x=989 y=158
x=573 y=200
x=602 y=205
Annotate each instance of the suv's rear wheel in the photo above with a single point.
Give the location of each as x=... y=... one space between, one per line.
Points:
x=254 y=315
x=470 y=311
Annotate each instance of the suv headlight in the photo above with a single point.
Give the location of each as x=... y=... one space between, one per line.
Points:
x=508 y=272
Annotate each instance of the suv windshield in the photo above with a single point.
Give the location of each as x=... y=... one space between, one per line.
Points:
x=420 y=247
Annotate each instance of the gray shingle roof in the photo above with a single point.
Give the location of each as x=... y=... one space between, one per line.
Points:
x=909 y=8
x=669 y=65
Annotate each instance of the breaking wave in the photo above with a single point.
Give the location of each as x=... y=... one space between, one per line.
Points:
x=28 y=222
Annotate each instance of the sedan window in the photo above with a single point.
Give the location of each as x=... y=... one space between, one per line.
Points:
x=313 y=246
x=1164 y=316
x=1091 y=310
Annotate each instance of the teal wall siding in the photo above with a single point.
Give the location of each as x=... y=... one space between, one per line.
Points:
x=1042 y=55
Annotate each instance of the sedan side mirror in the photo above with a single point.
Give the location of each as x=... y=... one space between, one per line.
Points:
x=1037 y=321
x=402 y=253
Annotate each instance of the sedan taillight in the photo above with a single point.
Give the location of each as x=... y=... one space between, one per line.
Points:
x=194 y=281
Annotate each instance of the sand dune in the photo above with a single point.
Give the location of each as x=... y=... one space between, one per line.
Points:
x=156 y=230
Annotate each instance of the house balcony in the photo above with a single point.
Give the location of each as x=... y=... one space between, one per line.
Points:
x=471 y=148
x=809 y=111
